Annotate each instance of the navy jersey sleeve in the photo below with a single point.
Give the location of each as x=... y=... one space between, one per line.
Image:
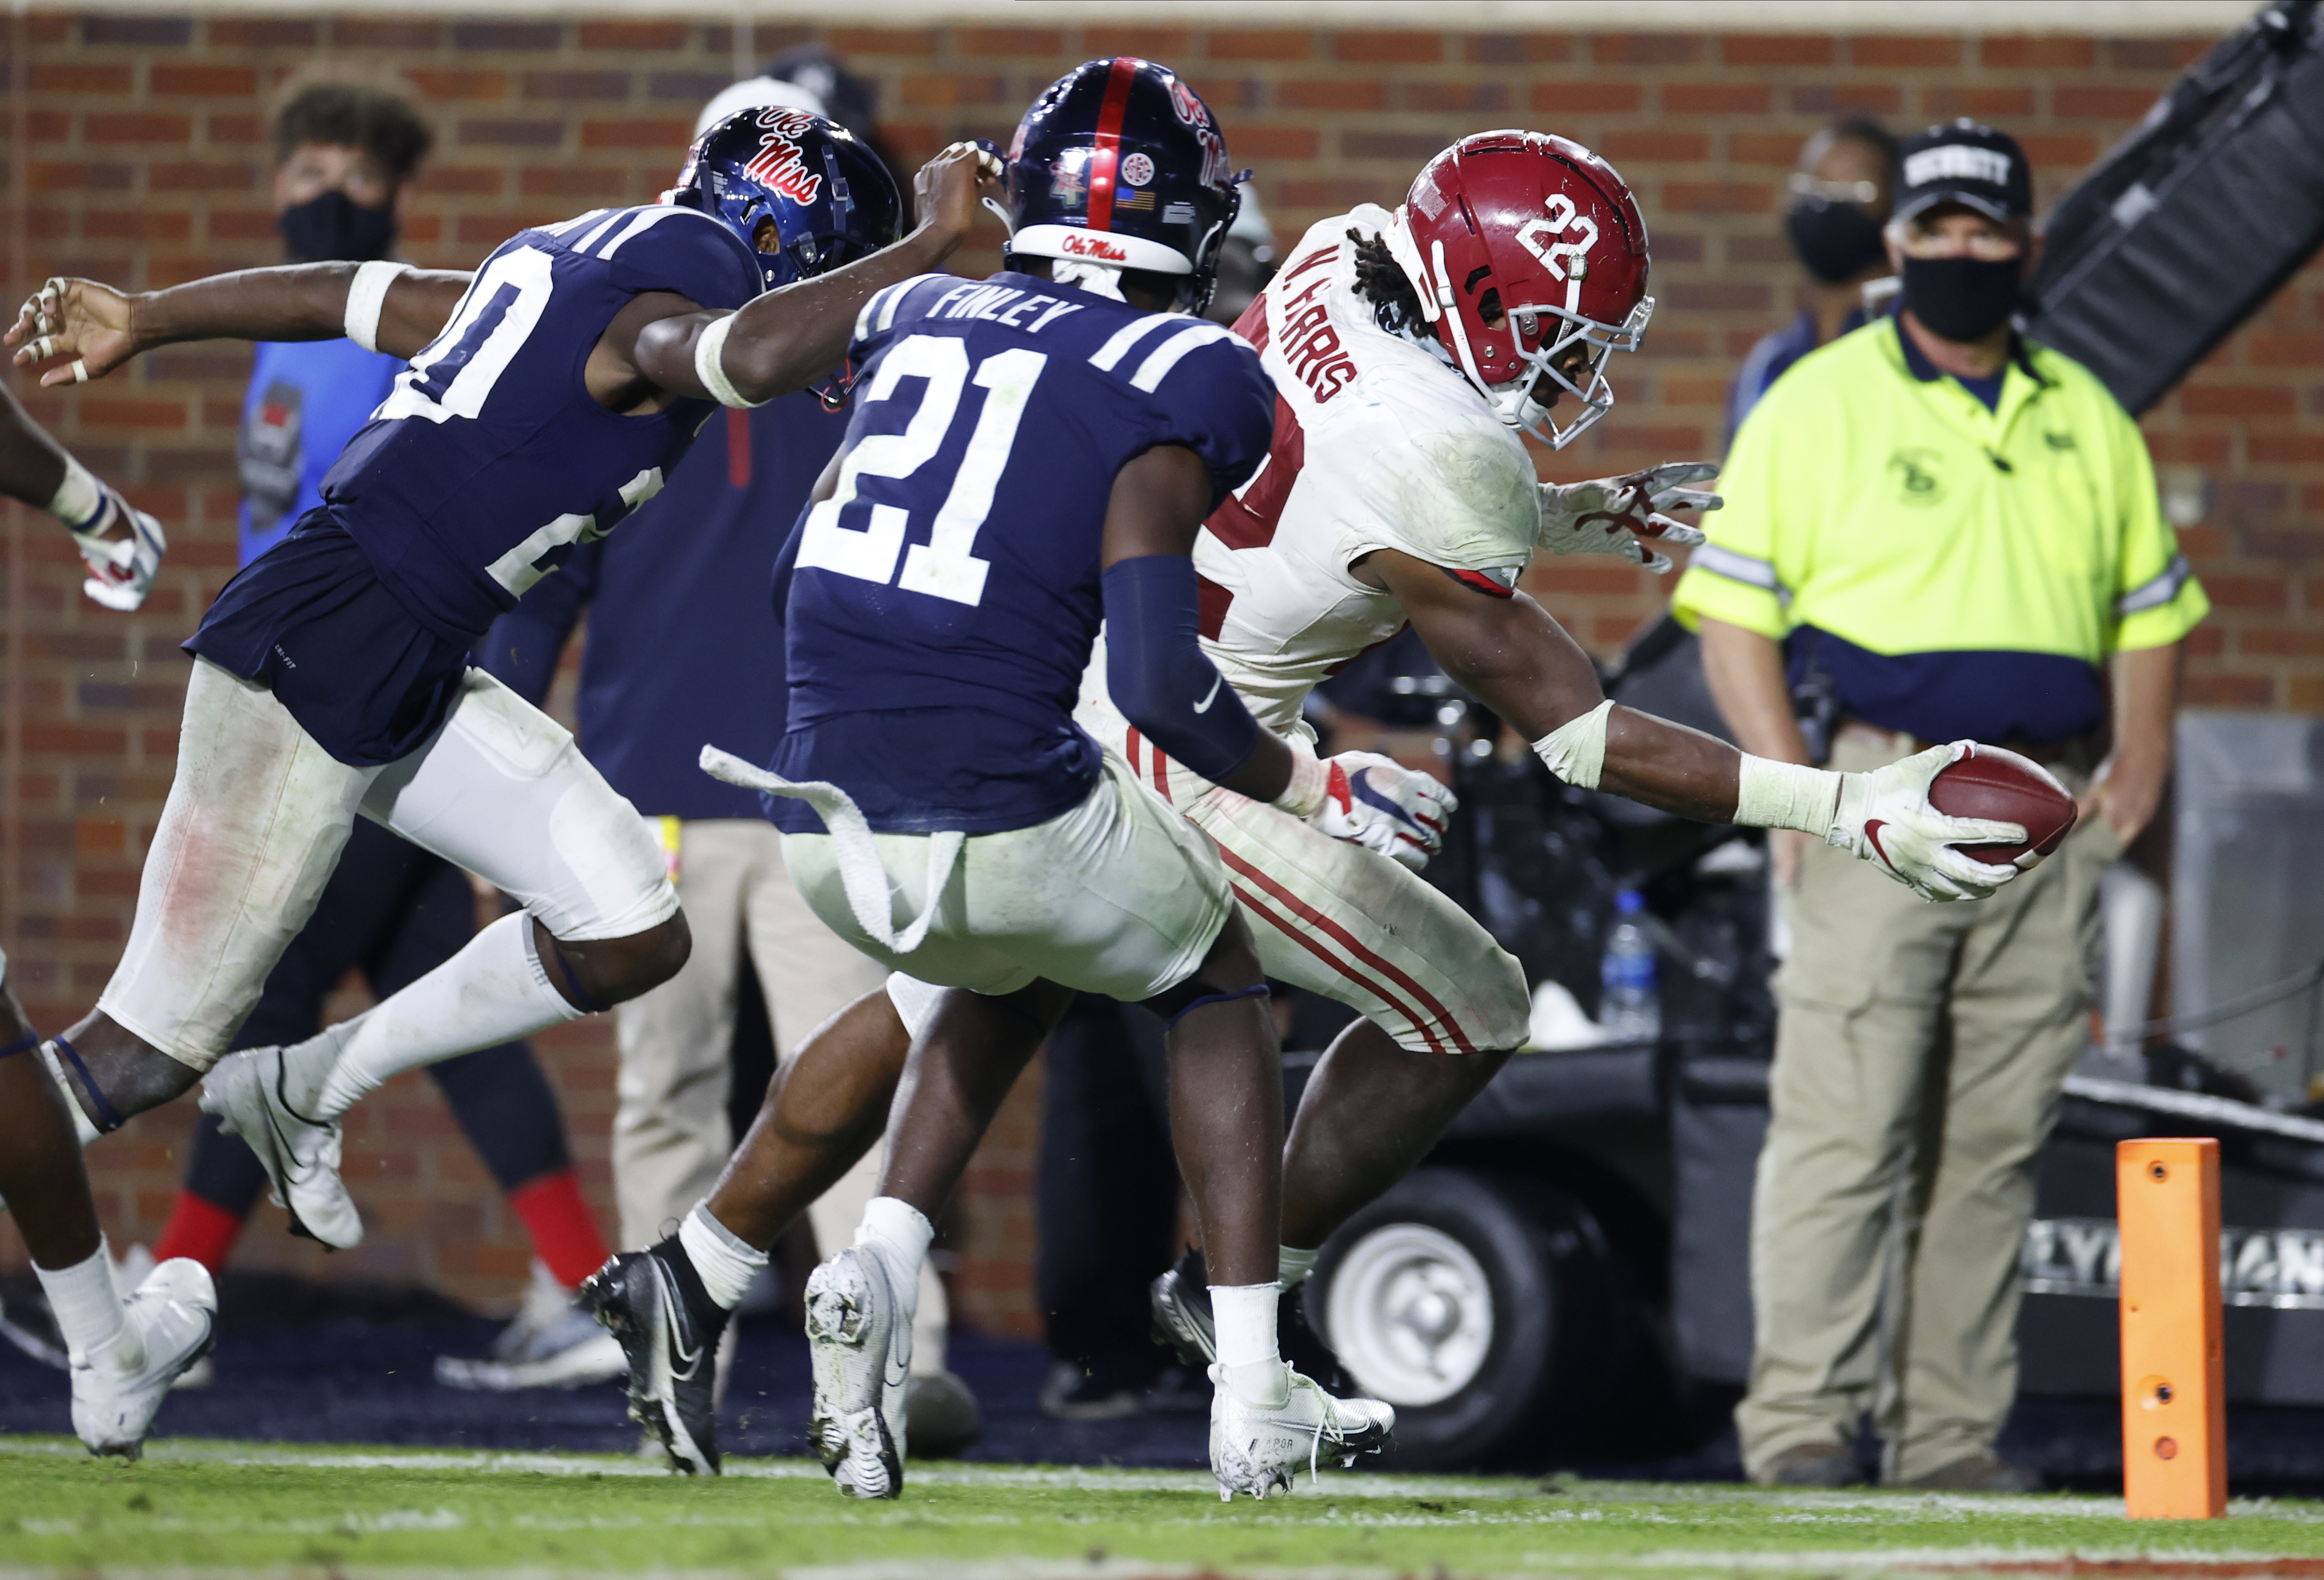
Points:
x=1214 y=399
x=670 y=248
x=878 y=318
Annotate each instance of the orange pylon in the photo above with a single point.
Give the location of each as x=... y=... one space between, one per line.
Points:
x=2175 y=1407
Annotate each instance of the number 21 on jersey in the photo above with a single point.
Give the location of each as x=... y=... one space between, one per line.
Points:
x=944 y=567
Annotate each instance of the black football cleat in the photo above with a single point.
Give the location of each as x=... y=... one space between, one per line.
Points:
x=1181 y=1302
x=652 y=1301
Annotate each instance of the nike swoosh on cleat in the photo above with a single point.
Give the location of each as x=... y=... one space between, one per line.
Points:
x=1204 y=704
x=683 y=1361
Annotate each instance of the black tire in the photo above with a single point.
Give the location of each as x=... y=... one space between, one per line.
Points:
x=1544 y=1262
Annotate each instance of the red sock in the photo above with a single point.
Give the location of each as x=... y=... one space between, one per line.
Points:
x=564 y=1235
x=198 y=1228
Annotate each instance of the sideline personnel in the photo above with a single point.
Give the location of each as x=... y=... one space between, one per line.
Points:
x=1952 y=530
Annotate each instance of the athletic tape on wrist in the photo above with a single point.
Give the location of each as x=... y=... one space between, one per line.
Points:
x=1209 y=999
x=366 y=296
x=709 y=348
x=1769 y=794
x=1576 y=750
x=79 y=500
x=108 y=1118
x=1303 y=796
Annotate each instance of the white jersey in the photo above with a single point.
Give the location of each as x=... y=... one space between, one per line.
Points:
x=1378 y=444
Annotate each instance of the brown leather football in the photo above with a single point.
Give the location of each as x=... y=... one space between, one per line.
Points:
x=1994 y=783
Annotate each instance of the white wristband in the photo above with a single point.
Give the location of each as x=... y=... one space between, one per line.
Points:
x=1575 y=751
x=80 y=499
x=366 y=296
x=709 y=347
x=1769 y=794
x=1304 y=796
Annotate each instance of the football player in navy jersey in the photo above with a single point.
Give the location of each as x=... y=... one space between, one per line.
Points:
x=548 y=394
x=1028 y=453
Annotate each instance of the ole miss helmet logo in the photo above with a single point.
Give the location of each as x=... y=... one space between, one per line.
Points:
x=778 y=166
x=1082 y=244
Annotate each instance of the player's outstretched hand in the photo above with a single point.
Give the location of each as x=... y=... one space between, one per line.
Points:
x=1620 y=515
x=73 y=331
x=1378 y=803
x=1885 y=818
x=122 y=549
x=949 y=186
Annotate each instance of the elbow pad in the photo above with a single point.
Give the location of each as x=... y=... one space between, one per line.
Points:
x=1156 y=672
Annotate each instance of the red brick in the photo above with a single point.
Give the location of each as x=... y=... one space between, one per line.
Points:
x=1663 y=147
x=202 y=178
x=77 y=178
x=539 y=133
x=593 y=86
x=469 y=181
x=206 y=81
x=2273 y=642
x=2071 y=150
x=1714 y=98
x=2235 y=400
x=882 y=40
x=1411 y=148
x=369 y=32
x=1253 y=44
x=2246 y=592
x=452 y=83
x=1824 y=98
x=268 y=32
x=1459 y=98
x=1646 y=49
x=81 y=77
x=1399 y=48
x=1584 y=97
x=1716 y=197
x=165 y=32
x=1332 y=93
x=943 y=89
x=2099 y=101
x=633 y=36
x=1275 y=142
x=235 y=127
x=1948 y=102
x=1013 y=42
x=1889 y=50
x=1777 y=50
x=564 y=180
x=1773 y=148
x=2042 y=53
x=2289 y=449
x=511 y=36
x=1518 y=49
x=1150 y=43
x=143 y=126
x=2229 y=692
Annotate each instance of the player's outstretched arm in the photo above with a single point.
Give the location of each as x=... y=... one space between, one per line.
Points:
x=788 y=338
x=75 y=330
x=1519 y=662
x=122 y=545
x=1155 y=668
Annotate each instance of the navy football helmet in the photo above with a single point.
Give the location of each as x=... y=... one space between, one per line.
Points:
x=1119 y=162
x=830 y=198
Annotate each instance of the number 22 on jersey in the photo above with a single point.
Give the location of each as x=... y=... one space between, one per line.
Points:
x=946 y=565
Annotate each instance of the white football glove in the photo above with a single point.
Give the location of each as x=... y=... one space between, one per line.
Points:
x=1617 y=516
x=121 y=570
x=1378 y=803
x=1885 y=817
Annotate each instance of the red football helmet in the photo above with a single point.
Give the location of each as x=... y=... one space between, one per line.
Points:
x=1520 y=245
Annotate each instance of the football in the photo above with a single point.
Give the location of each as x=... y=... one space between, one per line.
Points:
x=1994 y=783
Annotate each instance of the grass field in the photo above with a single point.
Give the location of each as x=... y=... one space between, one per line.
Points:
x=215 y=1506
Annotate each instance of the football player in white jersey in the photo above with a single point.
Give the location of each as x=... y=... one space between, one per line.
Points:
x=1410 y=352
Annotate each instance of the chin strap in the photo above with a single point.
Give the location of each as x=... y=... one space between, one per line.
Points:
x=108 y=1118
x=24 y=1044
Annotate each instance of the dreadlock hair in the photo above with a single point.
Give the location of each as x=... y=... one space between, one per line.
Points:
x=355 y=114
x=1381 y=281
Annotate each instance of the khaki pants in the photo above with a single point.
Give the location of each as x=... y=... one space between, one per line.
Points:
x=671 y=1137
x=1918 y=1058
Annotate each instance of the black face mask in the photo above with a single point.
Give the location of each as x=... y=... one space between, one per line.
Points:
x=335 y=229
x=1836 y=241
x=1961 y=299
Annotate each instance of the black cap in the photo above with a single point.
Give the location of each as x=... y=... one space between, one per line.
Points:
x=1965 y=163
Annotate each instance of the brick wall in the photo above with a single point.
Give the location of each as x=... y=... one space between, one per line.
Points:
x=140 y=144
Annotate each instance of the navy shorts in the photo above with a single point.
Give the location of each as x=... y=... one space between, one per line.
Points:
x=309 y=620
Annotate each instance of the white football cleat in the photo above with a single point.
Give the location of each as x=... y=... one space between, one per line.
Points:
x=1256 y=1447
x=167 y=1325
x=862 y=1363
x=300 y=1155
x=555 y=1342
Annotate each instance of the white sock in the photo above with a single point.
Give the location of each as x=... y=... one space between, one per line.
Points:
x=1242 y=1316
x=494 y=991
x=896 y=1231
x=1292 y=1265
x=724 y=1262
x=80 y=499
x=88 y=1306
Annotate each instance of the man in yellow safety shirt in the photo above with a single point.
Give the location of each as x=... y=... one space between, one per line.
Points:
x=1940 y=530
